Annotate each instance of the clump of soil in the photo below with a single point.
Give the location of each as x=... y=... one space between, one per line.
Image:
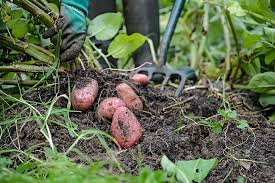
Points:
x=167 y=130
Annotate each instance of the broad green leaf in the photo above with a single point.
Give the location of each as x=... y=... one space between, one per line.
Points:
x=252 y=68
x=106 y=26
x=270 y=56
x=54 y=7
x=262 y=83
x=124 y=45
x=20 y=28
x=16 y=14
x=212 y=71
x=260 y=7
x=236 y=9
x=270 y=33
x=266 y=100
x=250 y=40
x=242 y=124
x=189 y=171
x=172 y=169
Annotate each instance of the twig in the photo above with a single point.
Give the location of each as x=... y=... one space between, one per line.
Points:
x=179 y=103
x=196 y=87
x=130 y=70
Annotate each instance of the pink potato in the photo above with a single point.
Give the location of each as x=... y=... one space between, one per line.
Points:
x=108 y=107
x=125 y=127
x=141 y=79
x=128 y=95
x=83 y=96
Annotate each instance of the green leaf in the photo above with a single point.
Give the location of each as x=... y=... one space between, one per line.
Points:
x=106 y=26
x=260 y=7
x=217 y=127
x=189 y=171
x=232 y=114
x=272 y=118
x=19 y=28
x=266 y=100
x=236 y=9
x=242 y=124
x=240 y=179
x=252 y=68
x=228 y=113
x=250 y=40
x=16 y=14
x=270 y=57
x=212 y=71
x=270 y=33
x=124 y=45
x=54 y=7
x=262 y=83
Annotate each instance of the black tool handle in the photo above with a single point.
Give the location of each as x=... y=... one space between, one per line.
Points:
x=169 y=31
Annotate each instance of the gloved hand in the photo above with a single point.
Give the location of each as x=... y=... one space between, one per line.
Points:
x=72 y=21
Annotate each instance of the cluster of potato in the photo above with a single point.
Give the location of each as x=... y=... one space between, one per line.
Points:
x=125 y=127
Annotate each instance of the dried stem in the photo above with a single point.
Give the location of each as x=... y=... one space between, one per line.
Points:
x=26 y=68
x=29 y=48
x=15 y=82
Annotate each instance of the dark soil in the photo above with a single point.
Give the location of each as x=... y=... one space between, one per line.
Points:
x=249 y=152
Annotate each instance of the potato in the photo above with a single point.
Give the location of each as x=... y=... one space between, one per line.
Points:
x=141 y=79
x=128 y=95
x=125 y=127
x=108 y=107
x=83 y=96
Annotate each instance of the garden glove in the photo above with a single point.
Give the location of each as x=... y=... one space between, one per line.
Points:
x=72 y=22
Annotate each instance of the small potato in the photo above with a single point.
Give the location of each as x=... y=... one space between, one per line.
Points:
x=128 y=95
x=83 y=96
x=125 y=127
x=141 y=79
x=108 y=107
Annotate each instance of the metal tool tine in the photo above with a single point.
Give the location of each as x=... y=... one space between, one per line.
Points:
x=165 y=81
x=181 y=85
x=150 y=75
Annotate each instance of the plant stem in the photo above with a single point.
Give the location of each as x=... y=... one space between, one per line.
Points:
x=238 y=46
x=29 y=48
x=25 y=68
x=100 y=53
x=35 y=11
x=204 y=38
x=15 y=82
x=227 y=42
x=152 y=50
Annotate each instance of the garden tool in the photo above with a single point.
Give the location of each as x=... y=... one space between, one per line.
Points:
x=161 y=68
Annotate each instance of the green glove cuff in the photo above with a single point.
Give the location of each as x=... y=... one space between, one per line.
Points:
x=76 y=11
x=81 y=5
